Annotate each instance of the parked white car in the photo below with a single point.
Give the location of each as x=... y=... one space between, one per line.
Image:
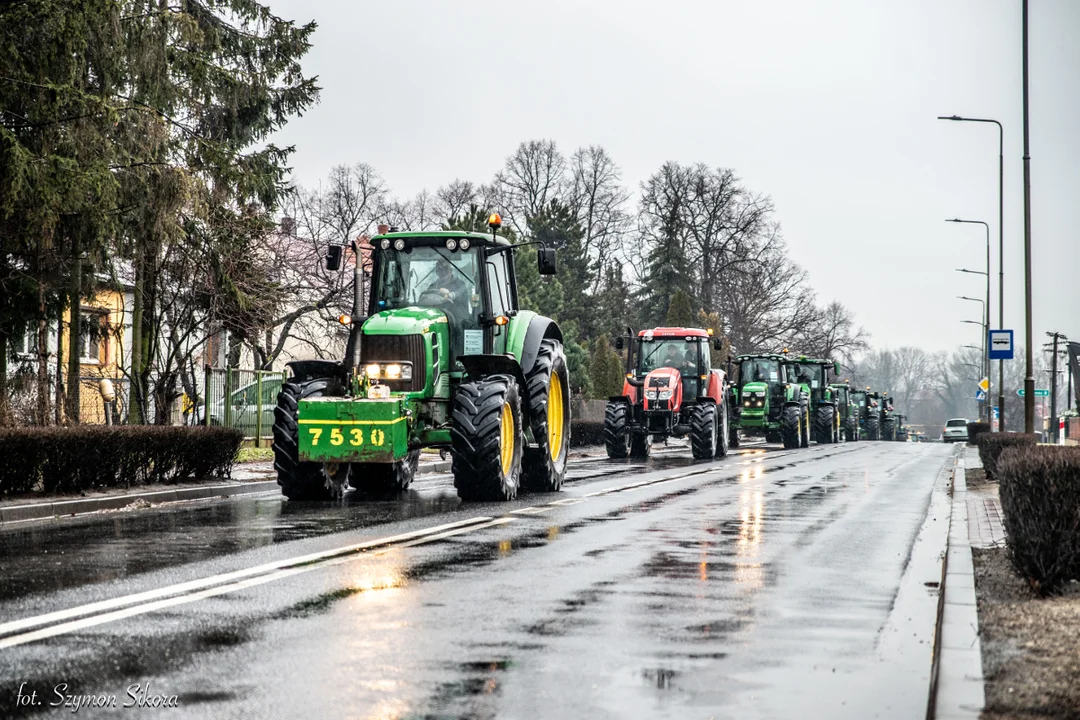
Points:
x=955 y=430
x=245 y=407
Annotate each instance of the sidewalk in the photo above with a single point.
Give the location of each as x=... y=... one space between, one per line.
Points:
x=985 y=529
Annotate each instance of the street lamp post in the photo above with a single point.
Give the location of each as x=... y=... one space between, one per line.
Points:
x=1001 y=234
x=982 y=356
x=982 y=350
x=986 y=314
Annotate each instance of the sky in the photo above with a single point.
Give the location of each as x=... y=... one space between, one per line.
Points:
x=828 y=106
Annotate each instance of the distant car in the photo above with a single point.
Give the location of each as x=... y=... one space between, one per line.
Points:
x=245 y=407
x=955 y=431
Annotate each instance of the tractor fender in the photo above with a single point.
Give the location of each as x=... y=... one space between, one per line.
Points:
x=303 y=370
x=478 y=367
x=540 y=329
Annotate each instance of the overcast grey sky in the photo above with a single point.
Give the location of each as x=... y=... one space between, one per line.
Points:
x=828 y=106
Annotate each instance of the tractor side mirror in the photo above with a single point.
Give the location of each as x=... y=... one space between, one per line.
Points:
x=717 y=343
x=333 y=257
x=836 y=369
x=619 y=344
x=545 y=261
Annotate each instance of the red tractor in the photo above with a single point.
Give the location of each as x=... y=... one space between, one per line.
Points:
x=670 y=390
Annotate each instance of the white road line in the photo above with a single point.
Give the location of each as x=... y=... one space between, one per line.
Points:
x=201 y=584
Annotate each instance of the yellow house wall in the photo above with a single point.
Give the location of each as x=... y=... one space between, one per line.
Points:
x=111 y=354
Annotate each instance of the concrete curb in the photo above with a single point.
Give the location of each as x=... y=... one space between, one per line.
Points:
x=959 y=691
x=63 y=508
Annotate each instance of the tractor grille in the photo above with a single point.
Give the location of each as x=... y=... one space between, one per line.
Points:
x=403 y=348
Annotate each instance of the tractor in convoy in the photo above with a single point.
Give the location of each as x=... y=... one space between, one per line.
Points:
x=813 y=378
x=868 y=412
x=769 y=402
x=902 y=430
x=849 y=419
x=439 y=355
x=670 y=390
x=889 y=422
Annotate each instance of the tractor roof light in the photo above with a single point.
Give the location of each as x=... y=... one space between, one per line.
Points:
x=451 y=244
x=345 y=319
x=710 y=331
x=399 y=244
x=464 y=243
x=501 y=320
x=385 y=244
x=494 y=221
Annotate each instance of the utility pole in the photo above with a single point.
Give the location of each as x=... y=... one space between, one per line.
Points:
x=1054 y=383
x=1029 y=378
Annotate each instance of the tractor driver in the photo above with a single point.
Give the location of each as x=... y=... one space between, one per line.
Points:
x=447 y=283
x=682 y=360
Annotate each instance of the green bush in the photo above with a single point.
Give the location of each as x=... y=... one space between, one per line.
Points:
x=975 y=429
x=584 y=433
x=991 y=445
x=1040 y=502
x=85 y=457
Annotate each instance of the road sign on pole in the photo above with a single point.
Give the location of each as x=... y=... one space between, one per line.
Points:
x=984 y=385
x=1001 y=345
x=1039 y=392
x=980 y=395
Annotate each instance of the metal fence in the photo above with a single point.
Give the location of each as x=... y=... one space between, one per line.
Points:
x=103 y=403
x=243 y=399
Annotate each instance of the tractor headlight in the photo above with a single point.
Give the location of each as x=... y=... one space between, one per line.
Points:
x=664 y=395
x=399 y=244
x=748 y=403
x=451 y=244
x=650 y=394
x=389 y=371
x=464 y=244
x=372 y=370
x=385 y=244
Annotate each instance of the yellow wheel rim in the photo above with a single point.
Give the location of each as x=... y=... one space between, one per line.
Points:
x=506 y=439
x=555 y=417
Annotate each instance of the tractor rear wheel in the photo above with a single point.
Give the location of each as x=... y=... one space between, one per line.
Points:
x=487 y=437
x=790 y=422
x=733 y=436
x=548 y=385
x=385 y=477
x=823 y=424
x=872 y=429
x=640 y=445
x=615 y=440
x=851 y=433
x=703 y=431
x=304 y=480
x=804 y=428
x=888 y=430
x=723 y=435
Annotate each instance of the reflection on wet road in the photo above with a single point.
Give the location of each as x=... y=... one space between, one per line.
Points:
x=769 y=584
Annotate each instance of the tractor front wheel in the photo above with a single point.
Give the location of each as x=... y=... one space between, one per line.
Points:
x=823 y=424
x=385 y=477
x=872 y=429
x=703 y=431
x=888 y=430
x=487 y=439
x=723 y=435
x=640 y=445
x=851 y=434
x=615 y=440
x=790 y=422
x=304 y=480
x=804 y=428
x=548 y=385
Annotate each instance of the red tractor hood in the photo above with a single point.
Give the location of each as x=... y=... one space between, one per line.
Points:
x=663 y=380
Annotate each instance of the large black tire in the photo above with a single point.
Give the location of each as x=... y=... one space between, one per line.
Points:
x=873 y=430
x=790 y=422
x=385 y=477
x=640 y=445
x=804 y=429
x=723 y=432
x=303 y=480
x=544 y=466
x=888 y=430
x=733 y=436
x=824 y=420
x=851 y=432
x=477 y=438
x=703 y=431
x=615 y=436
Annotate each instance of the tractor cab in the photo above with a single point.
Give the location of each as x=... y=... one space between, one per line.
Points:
x=766 y=385
x=848 y=410
x=812 y=375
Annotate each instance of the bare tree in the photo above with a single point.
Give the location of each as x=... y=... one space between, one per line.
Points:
x=833 y=335
x=599 y=201
x=351 y=203
x=532 y=177
x=454 y=199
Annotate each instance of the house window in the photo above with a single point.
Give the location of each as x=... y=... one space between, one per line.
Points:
x=90 y=334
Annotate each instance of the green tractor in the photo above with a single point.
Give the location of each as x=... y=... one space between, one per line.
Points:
x=442 y=357
x=868 y=412
x=768 y=402
x=889 y=422
x=848 y=411
x=813 y=377
x=902 y=431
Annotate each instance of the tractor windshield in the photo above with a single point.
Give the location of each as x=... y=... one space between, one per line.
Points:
x=810 y=374
x=434 y=277
x=759 y=370
x=673 y=353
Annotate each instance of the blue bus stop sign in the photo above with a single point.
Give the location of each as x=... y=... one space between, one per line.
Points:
x=1000 y=343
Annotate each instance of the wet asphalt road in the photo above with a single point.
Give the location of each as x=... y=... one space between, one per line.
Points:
x=770 y=584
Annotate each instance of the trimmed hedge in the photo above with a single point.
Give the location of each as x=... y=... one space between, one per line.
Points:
x=1040 y=501
x=991 y=445
x=85 y=457
x=584 y=433
x=975 y=429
